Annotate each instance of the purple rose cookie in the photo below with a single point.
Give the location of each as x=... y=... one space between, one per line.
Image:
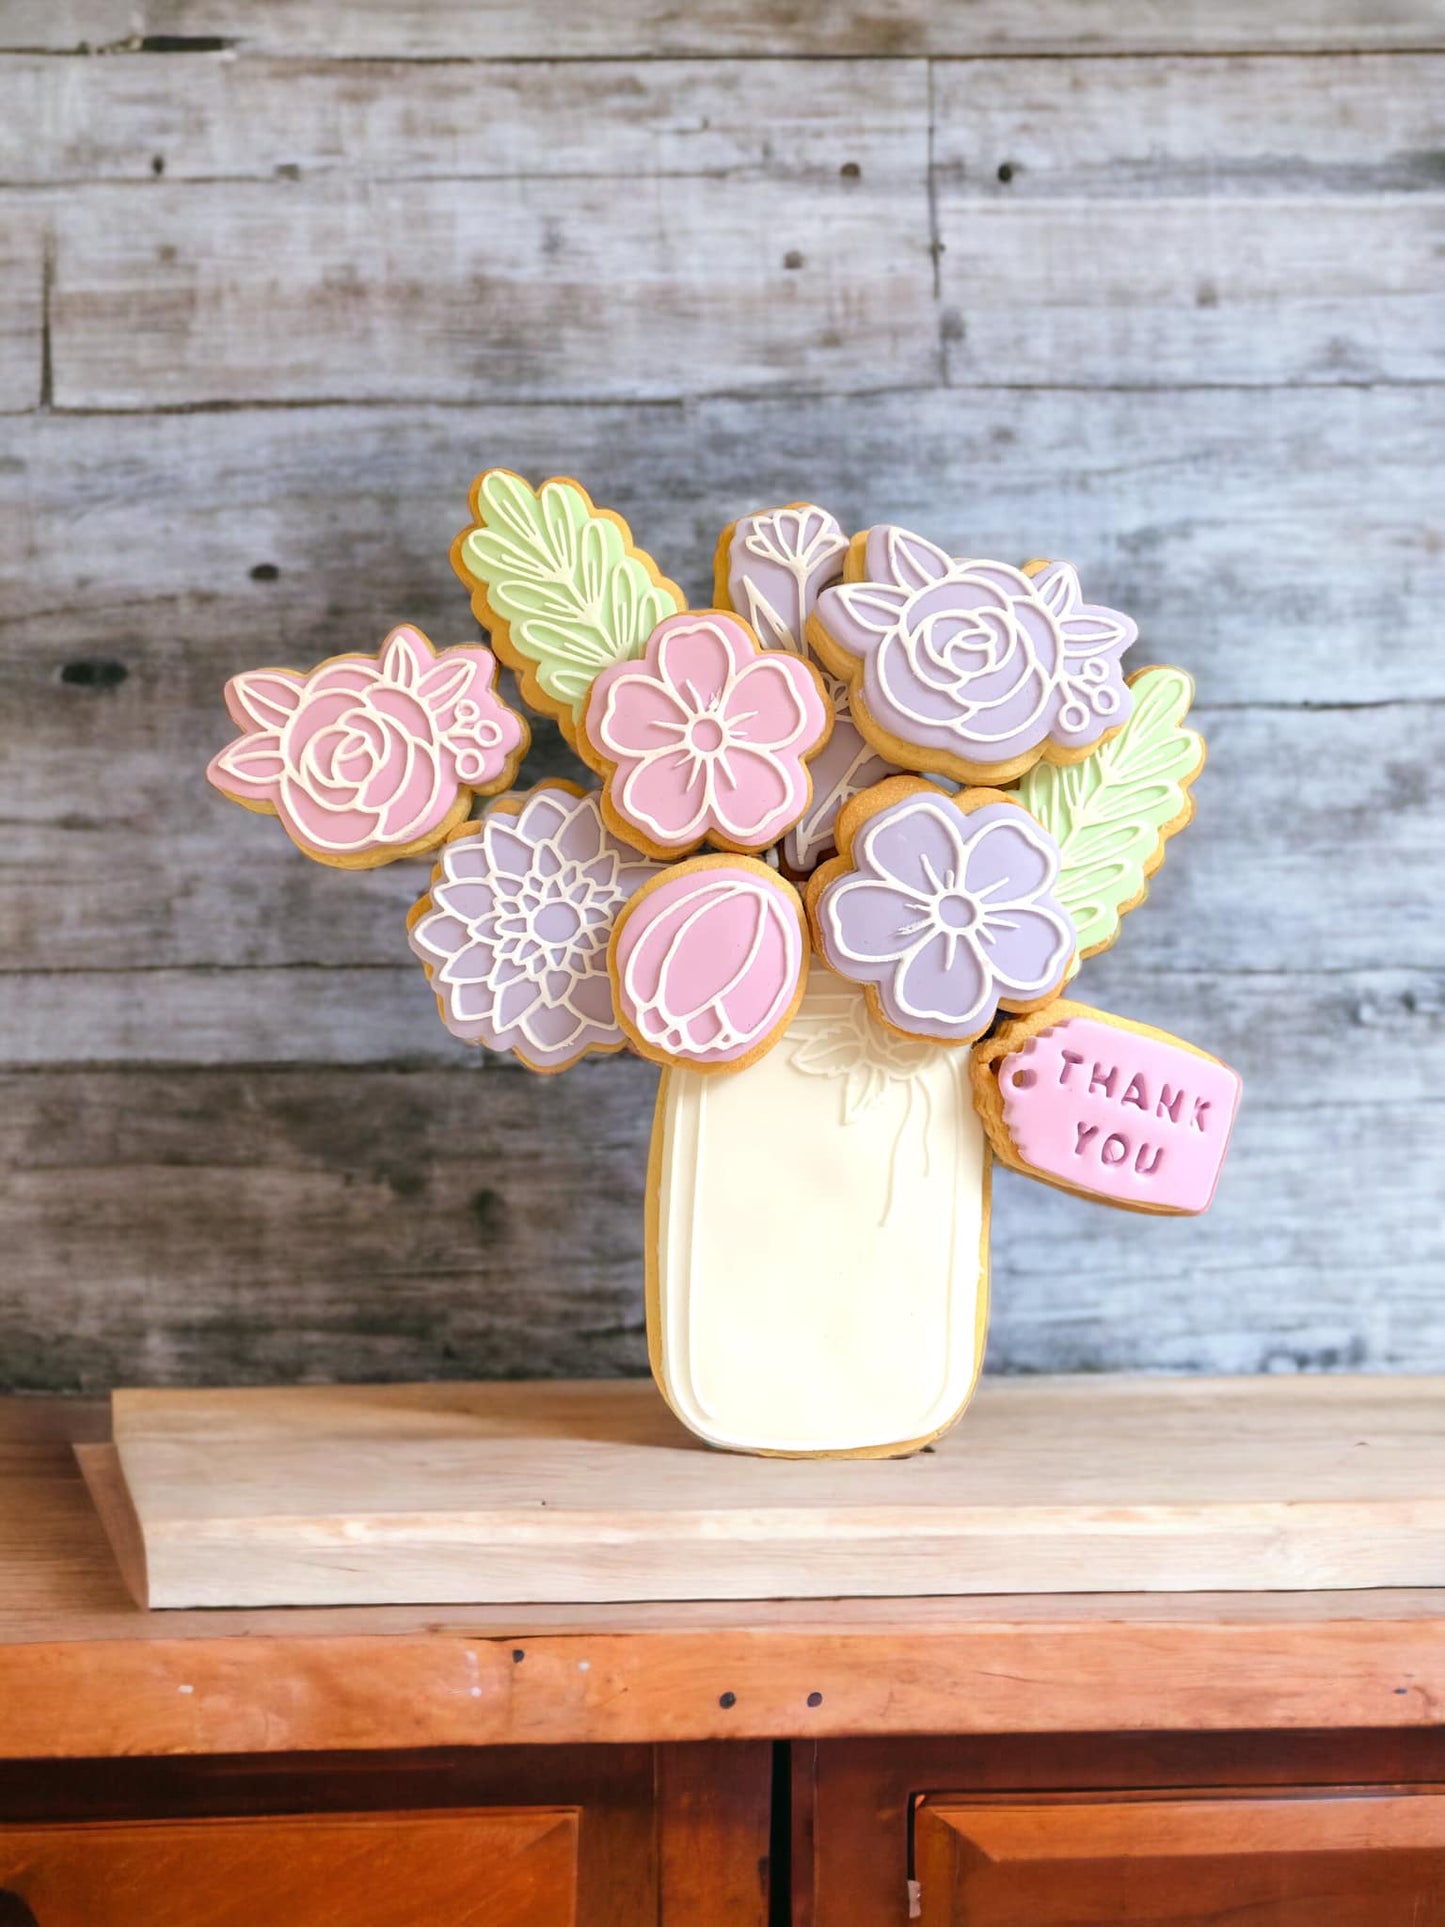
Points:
x=971 y=669
x=941 y=907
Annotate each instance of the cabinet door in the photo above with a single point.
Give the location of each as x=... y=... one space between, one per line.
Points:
x=496 y=1869
x=1319 y=1860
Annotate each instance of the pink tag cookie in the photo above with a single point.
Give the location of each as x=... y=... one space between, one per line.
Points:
x=709 y=962
x=1113 y=1110
x=368 y=758
x=706 y=735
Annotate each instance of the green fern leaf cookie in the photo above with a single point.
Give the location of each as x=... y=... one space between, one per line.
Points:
x=1112 y=814
x=560 y=585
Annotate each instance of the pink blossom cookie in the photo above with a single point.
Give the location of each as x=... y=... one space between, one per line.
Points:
x=706 y=735
x=369 y=758
x=709 y=961
x=515 y=928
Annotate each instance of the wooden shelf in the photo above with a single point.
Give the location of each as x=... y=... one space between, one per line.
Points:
x=84 y=1672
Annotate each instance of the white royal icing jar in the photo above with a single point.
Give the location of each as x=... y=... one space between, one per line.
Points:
x=818 y=1239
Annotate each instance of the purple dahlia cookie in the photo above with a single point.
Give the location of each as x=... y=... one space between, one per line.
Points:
x=515 y=928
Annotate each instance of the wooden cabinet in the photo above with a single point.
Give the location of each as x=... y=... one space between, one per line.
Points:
x=1305 y=1860
x=1266 y=1760
x=498 y=1869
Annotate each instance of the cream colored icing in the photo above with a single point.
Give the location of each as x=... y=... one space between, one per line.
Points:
x=818 y=1270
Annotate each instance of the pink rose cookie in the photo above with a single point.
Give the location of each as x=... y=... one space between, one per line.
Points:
x=771 y=567
x=369 y=758
x=514 y=929
x=705 y=736
x=941 y=907
x=1113 y=1110
x=971 y=669
x=709 y=962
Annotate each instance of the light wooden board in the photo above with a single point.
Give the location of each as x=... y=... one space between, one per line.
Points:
x=503 y=29
x=369 y=1496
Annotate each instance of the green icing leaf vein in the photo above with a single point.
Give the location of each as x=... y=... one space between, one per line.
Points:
x=1110 y=814
x=573 y=595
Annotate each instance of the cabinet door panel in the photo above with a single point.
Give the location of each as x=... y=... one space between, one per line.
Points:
x=495 y=1869
x=1345 y=1860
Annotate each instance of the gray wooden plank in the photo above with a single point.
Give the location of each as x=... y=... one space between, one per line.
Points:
x=1316 y=846
x=1257 y=128
x=1220 y=520
x=199 y=117
x=502 y=29
x=1348 y=1037
x=1151 y=293
x=524 y=288
x=24 y=271
x=167 y=1227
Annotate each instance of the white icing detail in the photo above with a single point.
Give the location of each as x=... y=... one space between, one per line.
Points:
x=836 y=1037
x=807 y=545
x=666 y=1022
x=790 y=1319
x=813 y=834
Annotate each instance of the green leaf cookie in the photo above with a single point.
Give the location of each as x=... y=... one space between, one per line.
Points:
x=560 y=585
x=1112 y=814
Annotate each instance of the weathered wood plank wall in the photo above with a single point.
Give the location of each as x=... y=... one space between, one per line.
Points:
x=1157 y=287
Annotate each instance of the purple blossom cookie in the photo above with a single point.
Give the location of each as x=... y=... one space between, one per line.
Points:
x=973 y=669
x=946 y=914
x=515 y=928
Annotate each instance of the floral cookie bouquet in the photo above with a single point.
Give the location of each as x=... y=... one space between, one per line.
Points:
x=854 y=831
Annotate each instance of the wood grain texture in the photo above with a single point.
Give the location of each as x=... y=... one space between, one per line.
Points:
x=83 y=1675
x=510 y=29
x=763 y=244
x=1341 y=1860
x=494 y=1869
x=485 y=1493
x=858 y=1797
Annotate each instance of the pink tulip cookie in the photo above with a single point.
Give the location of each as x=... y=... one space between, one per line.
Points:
x=515 y=927
x=1110 y=1109
x=971 y=669
x=368 y=758
x=705 y=736
x=709 y=962
x=942 y=907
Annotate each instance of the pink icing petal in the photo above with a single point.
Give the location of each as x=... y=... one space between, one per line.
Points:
x=251 y=767
x=699 y=657
x=352 y=675
x=404 y=709
x=666 y=796
x=335 y=832
x=406 y=658
x=756 y=798
x=774 y=703
x=1007 y=861
x=322 y=710
x=639 y=714
x=263 y=698
x=1027 y=947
